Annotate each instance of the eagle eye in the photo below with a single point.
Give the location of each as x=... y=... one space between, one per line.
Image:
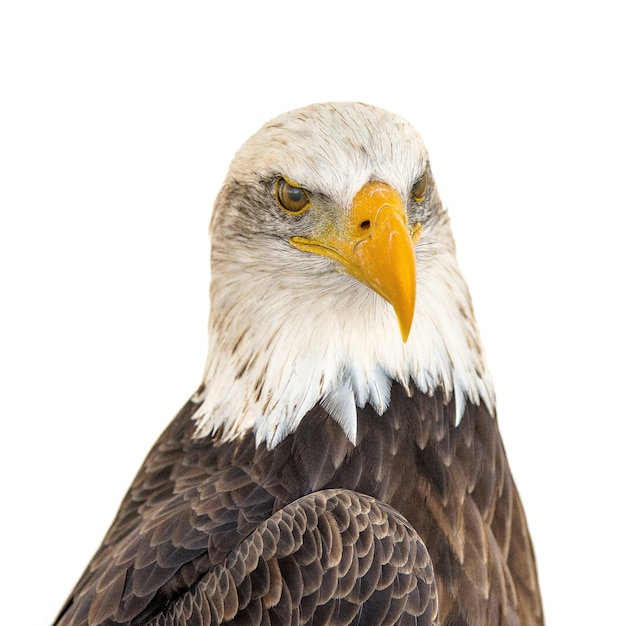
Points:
x=419 y=189
x=290 y=197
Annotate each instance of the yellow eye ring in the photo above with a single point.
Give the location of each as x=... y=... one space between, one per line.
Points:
x=291 y=197
x=419 y=189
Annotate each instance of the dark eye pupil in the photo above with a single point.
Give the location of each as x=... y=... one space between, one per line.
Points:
x=294 y=195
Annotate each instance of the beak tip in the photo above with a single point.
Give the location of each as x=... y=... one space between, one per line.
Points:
x=404 y=315
x=405 y=329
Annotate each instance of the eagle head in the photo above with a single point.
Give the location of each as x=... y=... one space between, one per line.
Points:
x=333 y=275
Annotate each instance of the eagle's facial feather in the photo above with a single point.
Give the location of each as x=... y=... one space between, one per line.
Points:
x=290 y=328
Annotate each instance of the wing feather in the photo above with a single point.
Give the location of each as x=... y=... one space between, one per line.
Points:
x=213 y=529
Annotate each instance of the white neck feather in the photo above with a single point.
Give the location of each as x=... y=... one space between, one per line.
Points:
x=280 y=348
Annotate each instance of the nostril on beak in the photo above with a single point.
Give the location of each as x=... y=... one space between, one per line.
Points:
x=365 y=225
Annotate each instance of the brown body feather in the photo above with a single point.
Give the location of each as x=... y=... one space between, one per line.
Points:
x=213 y=531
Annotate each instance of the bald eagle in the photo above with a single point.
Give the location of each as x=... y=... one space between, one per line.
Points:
x=341 y=461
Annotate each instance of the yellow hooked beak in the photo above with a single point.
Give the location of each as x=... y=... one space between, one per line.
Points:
x=375 y=246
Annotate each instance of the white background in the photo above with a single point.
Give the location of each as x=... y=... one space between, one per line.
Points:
x=118 y=123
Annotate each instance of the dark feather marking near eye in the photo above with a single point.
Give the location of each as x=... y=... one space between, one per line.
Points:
x=239 y=339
